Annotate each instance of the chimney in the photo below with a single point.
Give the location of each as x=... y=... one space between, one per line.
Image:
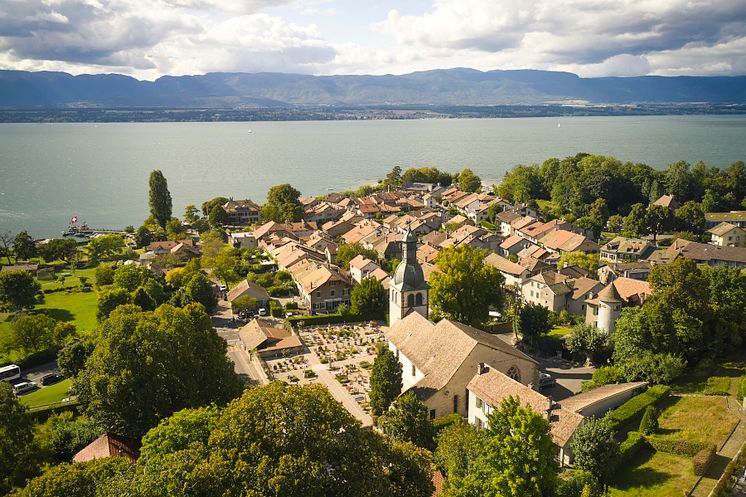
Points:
x=482 y=368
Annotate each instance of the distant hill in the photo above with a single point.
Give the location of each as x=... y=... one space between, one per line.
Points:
x=465 y=87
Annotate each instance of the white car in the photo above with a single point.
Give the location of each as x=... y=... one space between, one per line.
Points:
x=23 y=387
x=262 y=312
x=546 y=380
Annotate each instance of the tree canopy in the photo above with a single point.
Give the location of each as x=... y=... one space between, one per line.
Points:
x=348 y=251
x=159 y=198
x=18 y=290
x=283 y=205
x=468 y=181
x=464 y=288
x=408 y=421
x=147 y=365
x=24 y=246
x=595 y=449
x=15 y=437
x=385 y=381
x=369 y=298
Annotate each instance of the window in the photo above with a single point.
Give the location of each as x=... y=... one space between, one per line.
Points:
x=418 y=299
x=318 y=294
x=479 y=403
x=410 y=300
x=513 y=373
x=455 y=403
x=332 y=293
x=432 y=413
x=414 y=370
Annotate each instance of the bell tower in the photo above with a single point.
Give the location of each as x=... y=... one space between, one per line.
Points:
x=408 y=291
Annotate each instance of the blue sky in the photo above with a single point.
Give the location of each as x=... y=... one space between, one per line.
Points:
x=150 y=38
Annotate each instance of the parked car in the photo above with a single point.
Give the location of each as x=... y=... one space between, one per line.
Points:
x=546 y=380
x=51 y=379
x=23 y=387
x=262 y=311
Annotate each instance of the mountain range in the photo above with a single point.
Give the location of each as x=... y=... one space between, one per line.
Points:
x=468 y=87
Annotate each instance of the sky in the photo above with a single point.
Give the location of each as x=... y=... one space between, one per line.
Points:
x=151 y=38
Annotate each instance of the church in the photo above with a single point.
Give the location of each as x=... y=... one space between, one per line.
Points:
x=439 y=360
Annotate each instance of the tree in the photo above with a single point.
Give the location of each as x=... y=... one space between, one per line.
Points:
x=143 y=237
x=589 y=262
x=71 y=358
x=385 y=381
x=464 y=288
x=636 y=220
x=369 y=298
x=130 y=276
x=615 y=224
x=18 y=290
x=15 y=437
x=521 y=184
x=585 y=340
x=243 y=303
x=659 y=219
x=282 y=205
x=468 y=181
x=105 y=247
x=394 y=179
x=533 y=322
x=223 y=266
x=174 y=229
x=679 y=180
x=690 y=217
x=595 y=449
x=408 y=421
x=457 y=447
x=24 y=246
x=148 y=364
x=109 y=300
x=191 y=213
x=159 y=198
x=89 y=479
x=179 y=431
x=217 y=216
x=516 y=457
x=348 y=251
x=141 y=299
x=198 y=289
x=104 y=275
x=207 y=206
x=58 y=248
x=66 y=435
x=5 y=240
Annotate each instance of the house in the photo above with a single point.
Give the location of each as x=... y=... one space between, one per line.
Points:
x=109 y=445
x=361 y=267
x=323 y=287
x=489 y=388
x=727 y=235
x=439 y=360
x=737 y=218
x=559 y=292
x=249 y=289
x=242 y=240
x=605 y=308
x=513 y=245
x=165 y=246
x=668 y=201
x=622 y=249
x=241 y=212
x=514 y=273
x=504 y=220
x=387 y=245
x=712 y=255
x=337 y=228
x=561 y=240
x=267 y=340
x=637 y=270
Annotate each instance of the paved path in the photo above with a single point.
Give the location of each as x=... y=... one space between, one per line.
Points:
x=338 y=391
x=244 y=367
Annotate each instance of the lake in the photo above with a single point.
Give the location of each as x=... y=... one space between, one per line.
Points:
x=99 y=172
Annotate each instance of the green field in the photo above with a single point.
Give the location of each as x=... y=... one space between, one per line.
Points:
x=560 y=331
x=46 y=395
x=698 y=418
x=78 y=307
x=654 y=473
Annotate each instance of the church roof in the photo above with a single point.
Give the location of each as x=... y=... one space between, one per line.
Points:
x=408 y=274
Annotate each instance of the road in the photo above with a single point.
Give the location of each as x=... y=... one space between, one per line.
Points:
x=227 y=328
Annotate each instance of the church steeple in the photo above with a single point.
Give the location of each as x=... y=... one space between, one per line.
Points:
x=408 y=289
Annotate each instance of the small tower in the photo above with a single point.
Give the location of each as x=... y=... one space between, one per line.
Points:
x=609 y=308
x=408 y=291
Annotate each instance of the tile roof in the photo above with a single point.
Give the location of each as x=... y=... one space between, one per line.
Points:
x=725 y=216
x=504 y=265
x=578 y=402
x=250 y=289
x=108 y=445
x=492 y=386
x=722 y=229
x=259 y=335
x=511 y=241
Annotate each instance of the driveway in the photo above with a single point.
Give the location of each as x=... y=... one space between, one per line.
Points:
x=569 y=377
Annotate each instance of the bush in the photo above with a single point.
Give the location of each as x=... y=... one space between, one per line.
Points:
x=742 y=388
x=606 y=375
x=291 y=305
x=678 y=446
x=717 y=385
x=325 y=319
x=573 y=484
x=446 y=421
x=631 y=446
x=633 y=408
x=275 y=309
x=702 y=460
x=649 y=423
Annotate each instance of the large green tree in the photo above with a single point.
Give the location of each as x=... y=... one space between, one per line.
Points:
x=146 y=365
x=160 y=198
x=283 y=205
x=595 y=448
x=197 y=289
x=516 y=456
x=24 y=246
x=457 y=447
x=18 y=290
x=105 y=247
x=58 y=248
x=464 y=288
x=33 y=333
x=385 y=381
x=408 y=421
x=369 y=298
x=468 y=181
x=585 y=341
x=110 y=299
x=15 y=437
x=106 y=477
x=533 y=322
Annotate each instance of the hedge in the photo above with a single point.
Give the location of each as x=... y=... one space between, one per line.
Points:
x=702 y=460
x=446 y=421
x=635 y=406
x=678 y=446
x=631 y=446
x=742 y=388
x=325 y=319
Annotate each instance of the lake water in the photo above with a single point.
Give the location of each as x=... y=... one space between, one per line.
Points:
x=99 y=172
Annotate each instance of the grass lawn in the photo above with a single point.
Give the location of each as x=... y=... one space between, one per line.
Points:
x=698 y=418
x=696 y=380
x=560 y=331
x=47 y=395
x=654 y=473
x=79 y=307
x=72 y=279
